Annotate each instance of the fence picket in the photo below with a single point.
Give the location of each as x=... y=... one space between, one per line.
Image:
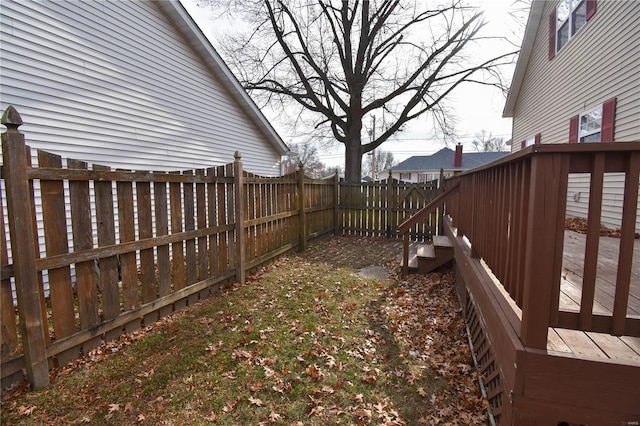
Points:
x=86 y=280
x=36 y=242
x=201 y=213
x=212 y=212
x=147 y=272
x=56 y=241
x=223 y=246
x=162 y=228
x=191 y=258
x=128 y=262
x=106 y=237
x=177 y=248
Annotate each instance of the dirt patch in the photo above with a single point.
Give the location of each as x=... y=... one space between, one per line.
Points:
x=375 y=272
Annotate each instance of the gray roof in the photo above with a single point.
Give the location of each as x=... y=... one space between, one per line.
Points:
x=444 y=158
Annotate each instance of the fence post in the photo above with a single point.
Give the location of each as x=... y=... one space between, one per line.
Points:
x=238 y=184
x=390 y=204
x=302 y=228
x=23 y=249
x=336 y=203
x=441 y=210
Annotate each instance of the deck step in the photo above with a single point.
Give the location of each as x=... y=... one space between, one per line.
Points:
x=442 y=241
x=426 y=250
x=425 y=258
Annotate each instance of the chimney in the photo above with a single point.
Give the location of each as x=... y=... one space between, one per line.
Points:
x=457 y=160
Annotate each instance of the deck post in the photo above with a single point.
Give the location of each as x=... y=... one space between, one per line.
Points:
x=23 y=249
x=302 y=227
x=238 y=182
x=546 y=193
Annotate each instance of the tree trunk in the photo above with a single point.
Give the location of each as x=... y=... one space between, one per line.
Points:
x=353 y=160
x=353 y=143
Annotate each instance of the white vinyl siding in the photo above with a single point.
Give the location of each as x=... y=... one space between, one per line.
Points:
x=601 y=62
x=115 y=83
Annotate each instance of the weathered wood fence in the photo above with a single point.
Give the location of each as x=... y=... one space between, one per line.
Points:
x=96 y=252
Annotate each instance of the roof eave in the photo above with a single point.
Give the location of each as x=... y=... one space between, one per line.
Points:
x=533 y=22
x=185 y=23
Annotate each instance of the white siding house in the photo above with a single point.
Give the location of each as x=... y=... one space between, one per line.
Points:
x=128 y=84
x=579 y=60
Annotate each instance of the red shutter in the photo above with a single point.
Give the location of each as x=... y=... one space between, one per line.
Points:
x=537 y=138
x=523 y=144
x=608 y=120
x=552 y=35
x=591 y=8
x=573 y=129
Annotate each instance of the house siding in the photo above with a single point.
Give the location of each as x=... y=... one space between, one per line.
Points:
x=115 y=83
x=600 y=62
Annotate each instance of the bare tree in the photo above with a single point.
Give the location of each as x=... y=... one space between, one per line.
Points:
x=486 y=142
x=307 y=155
x=344 y=62
x=383 y=161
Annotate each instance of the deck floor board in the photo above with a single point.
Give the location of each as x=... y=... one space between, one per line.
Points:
x=596 y=345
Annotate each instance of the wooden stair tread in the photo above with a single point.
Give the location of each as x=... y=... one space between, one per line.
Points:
x=442 y=241
x=426 y=250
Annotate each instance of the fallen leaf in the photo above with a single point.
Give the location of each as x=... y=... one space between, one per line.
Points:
x=256 y=401
x=274 y=417
x=230 y=406
x=316 y=410
x=26 y=411
x=315 y=373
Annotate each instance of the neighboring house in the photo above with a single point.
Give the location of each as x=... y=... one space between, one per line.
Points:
x=130 y=84
x=576 y=81
x=425 y=168
x=127 y=84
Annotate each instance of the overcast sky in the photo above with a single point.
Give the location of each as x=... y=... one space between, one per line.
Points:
x=476 y=107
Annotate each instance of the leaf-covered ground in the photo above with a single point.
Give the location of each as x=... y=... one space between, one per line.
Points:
x=306 y=341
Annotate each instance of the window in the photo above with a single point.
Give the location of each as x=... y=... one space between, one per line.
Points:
x=535 y=139
x=565 y=21
x=590 y=125
x=595 y=124
x=405 y=176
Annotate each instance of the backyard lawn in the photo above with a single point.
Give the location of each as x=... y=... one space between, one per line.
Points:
x=306 y=341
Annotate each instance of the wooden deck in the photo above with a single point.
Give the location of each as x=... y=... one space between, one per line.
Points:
x=553 y=316
x=588 y=344
x=591 y=345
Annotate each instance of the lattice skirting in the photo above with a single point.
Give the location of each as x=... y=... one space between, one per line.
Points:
x=490 y=376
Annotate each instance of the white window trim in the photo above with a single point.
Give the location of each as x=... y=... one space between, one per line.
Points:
x=569 y=20
x=583 y=134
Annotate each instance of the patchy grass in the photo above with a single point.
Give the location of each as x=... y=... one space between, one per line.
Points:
x=305 y=341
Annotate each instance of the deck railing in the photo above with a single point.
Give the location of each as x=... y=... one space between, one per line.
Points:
x=513 y=213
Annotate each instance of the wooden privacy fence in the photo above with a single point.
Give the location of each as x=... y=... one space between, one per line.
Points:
x=95 y=252
x=378 y=208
